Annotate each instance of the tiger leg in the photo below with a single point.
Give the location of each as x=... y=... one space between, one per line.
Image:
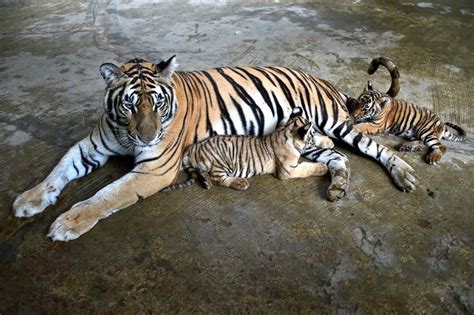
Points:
x=338 y=165
x=136 y=185
x=221 y=178
x=81 y=159
x=367 y=128
x=412 y=146
x=402 y=174
x=205 y=179
x=302 y=170
x=436 y=149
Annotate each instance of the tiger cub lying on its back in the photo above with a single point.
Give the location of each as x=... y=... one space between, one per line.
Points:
x=376 y=112
x=229 y=160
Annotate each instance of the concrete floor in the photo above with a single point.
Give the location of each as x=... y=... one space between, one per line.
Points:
x=280 y=246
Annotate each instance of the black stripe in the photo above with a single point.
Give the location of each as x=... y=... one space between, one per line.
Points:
x=279 y=109
x=349 y=128
x=306 y=88
x=242 y=93
x=207 y=107
x=241 y=113
x=265 y=73
x=324 y=113
x=357 y=139
x=285 y=90
x=379 y=150
x=75 y=168
x=103 y=141
x=260 y=87
x=86 y=164
x=226 y=120
x=285 y=75
x=94 y=144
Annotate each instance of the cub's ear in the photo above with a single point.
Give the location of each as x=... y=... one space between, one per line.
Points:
x=384 y=101
x=296 y=112
x=352 y=104
x=110 y=73
x=303 y=131
x=165 y=68
x=369 y=86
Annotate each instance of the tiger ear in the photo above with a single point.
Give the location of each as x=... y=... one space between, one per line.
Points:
x=165 y=68
x=303 y=131
x=110 y=73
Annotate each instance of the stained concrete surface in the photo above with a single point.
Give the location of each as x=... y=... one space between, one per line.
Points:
x=278 y=247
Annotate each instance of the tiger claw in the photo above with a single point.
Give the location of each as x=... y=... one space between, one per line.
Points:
x=403 y=175
x=32 y=202
x=339 y=185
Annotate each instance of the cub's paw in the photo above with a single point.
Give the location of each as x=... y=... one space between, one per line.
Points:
x=434 y=156
x=412 y=146
x=205 y=180
x=324 y=142
x=320 y=169
x=33 y=201
x=403 y=174
x=239 y=183
x=72 y=224
x=339 y=185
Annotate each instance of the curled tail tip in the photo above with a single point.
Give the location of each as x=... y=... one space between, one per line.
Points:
x=392 y=68
x=374 y=65
x=387 y=63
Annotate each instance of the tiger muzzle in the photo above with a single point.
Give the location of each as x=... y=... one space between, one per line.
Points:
x=148 y=127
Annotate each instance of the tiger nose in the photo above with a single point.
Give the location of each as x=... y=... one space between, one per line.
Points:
x=146 y=138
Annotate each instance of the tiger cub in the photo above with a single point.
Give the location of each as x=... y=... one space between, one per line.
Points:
x=229 y=160
x=377 y=112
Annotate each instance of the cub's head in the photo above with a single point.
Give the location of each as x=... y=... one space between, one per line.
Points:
x=303 y=134
x=140 y=98
x=370 y=105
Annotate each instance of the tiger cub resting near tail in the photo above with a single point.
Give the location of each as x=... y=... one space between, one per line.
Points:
x=229 y=160
x=377 y=112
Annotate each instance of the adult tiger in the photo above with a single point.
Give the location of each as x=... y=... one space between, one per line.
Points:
x=154 y=113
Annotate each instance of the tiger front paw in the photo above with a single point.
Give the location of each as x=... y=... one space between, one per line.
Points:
x=403 y=174
x=33 y=201
x=73 y=223
x=339 y=185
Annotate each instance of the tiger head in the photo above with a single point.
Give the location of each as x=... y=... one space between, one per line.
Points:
x=370 y=106
x=304 y=135
x=140 y=99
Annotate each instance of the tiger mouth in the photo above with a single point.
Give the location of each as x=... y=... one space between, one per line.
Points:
x=140 y=143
